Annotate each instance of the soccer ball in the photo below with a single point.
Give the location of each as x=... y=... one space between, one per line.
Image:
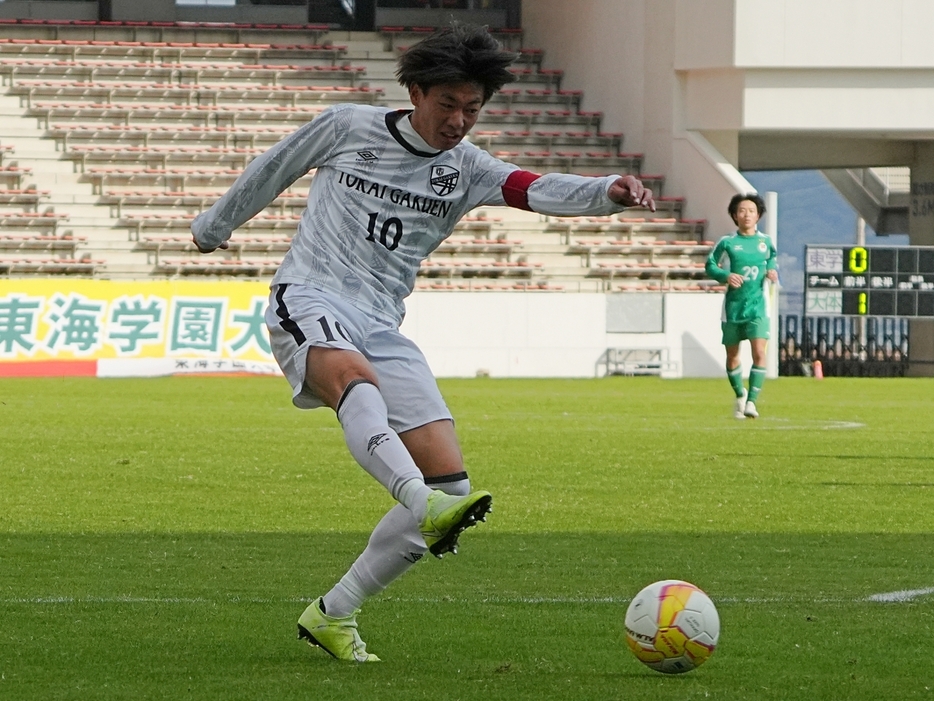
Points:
x=672 y=626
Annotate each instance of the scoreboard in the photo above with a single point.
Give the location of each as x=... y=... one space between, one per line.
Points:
x=869 y=281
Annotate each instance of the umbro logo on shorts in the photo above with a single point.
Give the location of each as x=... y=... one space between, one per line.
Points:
x=375 y=442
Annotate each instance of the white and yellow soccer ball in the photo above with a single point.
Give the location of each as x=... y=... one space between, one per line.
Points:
x=672 y=626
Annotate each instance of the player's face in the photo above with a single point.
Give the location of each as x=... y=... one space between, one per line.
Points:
x=445 y=113
x=747 y=216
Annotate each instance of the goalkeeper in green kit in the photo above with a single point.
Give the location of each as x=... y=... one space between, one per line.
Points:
x=744 y=261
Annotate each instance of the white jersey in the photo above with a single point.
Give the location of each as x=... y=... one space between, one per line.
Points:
x=381 y=202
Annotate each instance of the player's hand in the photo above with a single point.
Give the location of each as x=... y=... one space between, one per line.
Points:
x=224 y=245
x=630 y=192
x=735 y=280
x=772 y=275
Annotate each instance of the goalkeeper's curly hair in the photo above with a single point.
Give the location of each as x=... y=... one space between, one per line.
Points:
x=460 y=53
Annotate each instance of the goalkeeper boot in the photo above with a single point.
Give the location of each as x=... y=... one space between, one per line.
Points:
x=336 y=636
x=740 y=411
x=750 y=410
x=448 y=516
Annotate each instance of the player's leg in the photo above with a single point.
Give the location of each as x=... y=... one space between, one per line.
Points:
x=394 y=546
x=347 y=382
x=425 y=427
x=317 y=339
x=364 y=416
x=734 y=367
x=756 y=375
x=418 y=417
x=417 y=411
x=435 y=449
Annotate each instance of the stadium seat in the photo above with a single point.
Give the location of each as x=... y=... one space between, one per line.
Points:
x=160 y=119
x=208 y=115
x=29 y=198
x=275 y=246
x=13 y=175
x=56 y=266
x=199 y=201
x=65 y=243
x=31 y=220
x=234 y=268
x=192 y=93
x=136 y=223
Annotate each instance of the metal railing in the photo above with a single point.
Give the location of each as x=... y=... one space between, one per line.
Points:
x=845 y=346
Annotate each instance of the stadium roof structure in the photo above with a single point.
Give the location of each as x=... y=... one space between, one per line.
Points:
x=708 y=89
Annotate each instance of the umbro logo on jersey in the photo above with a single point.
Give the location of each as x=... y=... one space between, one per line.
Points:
x=375 y=442
x=367 y=157
x=443 y=179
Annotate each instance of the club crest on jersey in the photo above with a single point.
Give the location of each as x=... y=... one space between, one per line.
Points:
x=762 y=247
x=443 y=179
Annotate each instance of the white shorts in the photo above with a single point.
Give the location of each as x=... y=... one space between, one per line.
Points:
x=299 y=317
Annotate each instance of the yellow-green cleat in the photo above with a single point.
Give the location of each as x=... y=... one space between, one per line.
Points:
x=336 y=636
x=448 y=516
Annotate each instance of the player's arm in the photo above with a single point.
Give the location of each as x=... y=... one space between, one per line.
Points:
x=771 y=265
x=264 y=179
x=712 y=266
x=557 y=194
x=564 y=194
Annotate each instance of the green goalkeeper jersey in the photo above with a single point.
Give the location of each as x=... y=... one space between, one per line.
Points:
x=752 y=257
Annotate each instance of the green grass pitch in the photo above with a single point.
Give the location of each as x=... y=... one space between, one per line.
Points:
x=159 y=538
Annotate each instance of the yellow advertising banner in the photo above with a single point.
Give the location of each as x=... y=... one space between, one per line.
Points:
x=65 y=319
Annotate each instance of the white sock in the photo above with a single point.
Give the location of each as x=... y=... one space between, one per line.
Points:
x=379 y=450
x=395 y=545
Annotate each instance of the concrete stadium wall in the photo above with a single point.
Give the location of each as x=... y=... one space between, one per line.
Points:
x=862 y=34
x=767 y=84
x=506 y=334
x=621 y=53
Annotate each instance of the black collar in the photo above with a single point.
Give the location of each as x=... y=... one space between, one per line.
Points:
x=391 y=119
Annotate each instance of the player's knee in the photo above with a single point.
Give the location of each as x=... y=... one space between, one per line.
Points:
x=330 y=373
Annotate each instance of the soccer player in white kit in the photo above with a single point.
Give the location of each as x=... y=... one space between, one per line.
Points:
x=390 y=186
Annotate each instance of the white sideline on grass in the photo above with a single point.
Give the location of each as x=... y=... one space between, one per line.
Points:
x=899 y=596
x=902 y=596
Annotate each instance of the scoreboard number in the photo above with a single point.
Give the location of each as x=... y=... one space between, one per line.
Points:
x=859 y=259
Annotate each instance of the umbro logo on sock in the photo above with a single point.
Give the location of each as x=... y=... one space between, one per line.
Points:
x=375 y=442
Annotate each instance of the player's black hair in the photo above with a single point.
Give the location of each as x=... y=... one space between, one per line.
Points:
x=460 y=53
x=752 y=197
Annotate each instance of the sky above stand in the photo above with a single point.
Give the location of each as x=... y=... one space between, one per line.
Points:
x=810 y=211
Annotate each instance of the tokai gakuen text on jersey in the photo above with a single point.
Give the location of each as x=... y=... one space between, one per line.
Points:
x=426 y=205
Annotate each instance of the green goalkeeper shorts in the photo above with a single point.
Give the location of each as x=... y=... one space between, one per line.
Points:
x=736 y=331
